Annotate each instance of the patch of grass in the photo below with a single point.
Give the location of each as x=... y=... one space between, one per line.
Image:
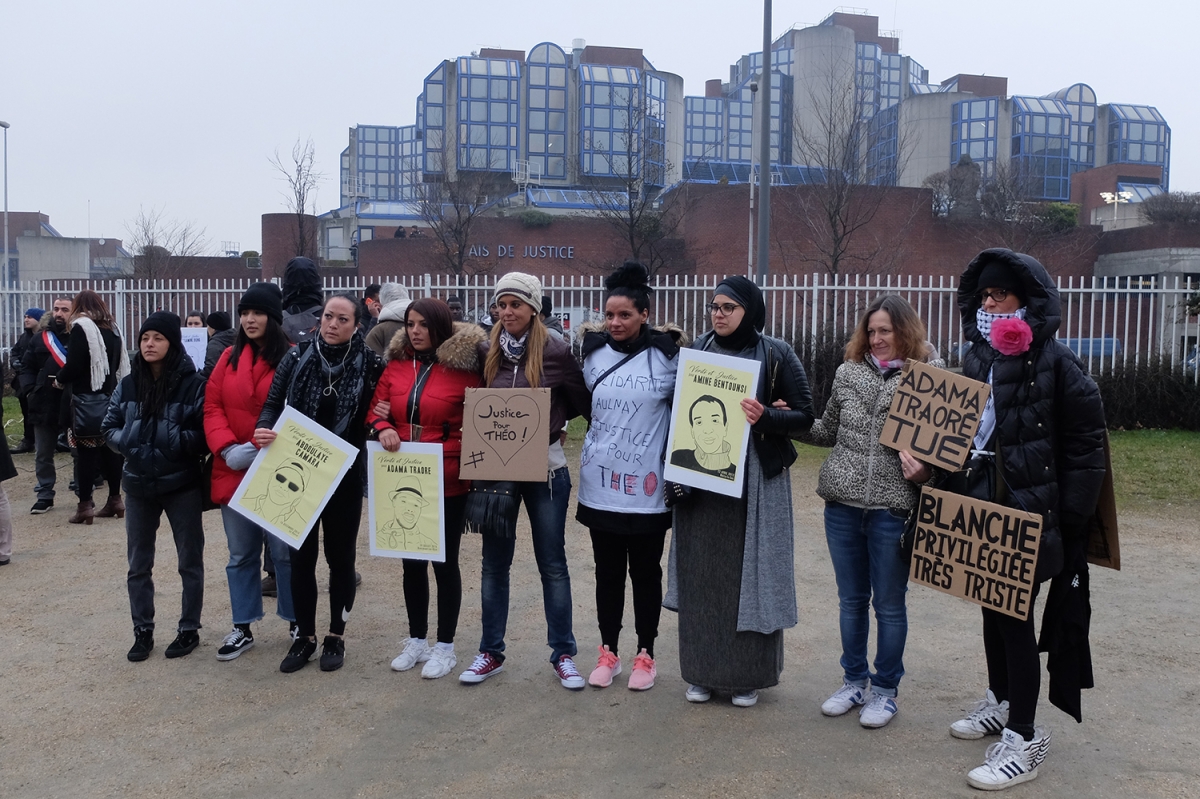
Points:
x=1151 y=466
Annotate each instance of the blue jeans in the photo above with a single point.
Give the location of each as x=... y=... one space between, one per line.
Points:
x=244 y=573
x=547 y=509
x=865 y=548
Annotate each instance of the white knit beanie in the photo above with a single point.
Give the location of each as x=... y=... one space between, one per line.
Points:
x=525 y=287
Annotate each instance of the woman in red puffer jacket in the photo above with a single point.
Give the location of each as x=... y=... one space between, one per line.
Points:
x=233 y=400
x=431 y=363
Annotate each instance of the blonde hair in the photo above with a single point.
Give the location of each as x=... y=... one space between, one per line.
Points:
x=535 y=346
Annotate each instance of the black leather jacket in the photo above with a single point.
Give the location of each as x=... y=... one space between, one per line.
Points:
x=781 y=377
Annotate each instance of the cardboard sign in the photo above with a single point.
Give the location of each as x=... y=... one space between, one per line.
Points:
x=706 y=446
x=292 y=479
x=404 y=498
x=195 y=342
x=506 y=434
x=934 y=415
x=977 y=551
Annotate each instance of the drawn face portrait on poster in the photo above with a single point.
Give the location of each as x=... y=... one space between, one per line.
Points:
x=404 y=492
x=709 y=432
x=290 y=481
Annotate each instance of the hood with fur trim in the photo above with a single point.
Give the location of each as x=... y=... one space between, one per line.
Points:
x=460 y=351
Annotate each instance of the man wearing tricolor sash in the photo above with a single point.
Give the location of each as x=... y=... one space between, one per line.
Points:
x=46 y=355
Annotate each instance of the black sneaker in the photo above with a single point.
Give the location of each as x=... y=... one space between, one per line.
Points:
x=143 y=642
x=333 y=652
x=21 y=449
x=298 y=656
x=237 y=642
x=41 y=506
x=184 y=643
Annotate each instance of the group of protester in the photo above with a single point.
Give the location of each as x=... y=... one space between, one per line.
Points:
x=730 y=565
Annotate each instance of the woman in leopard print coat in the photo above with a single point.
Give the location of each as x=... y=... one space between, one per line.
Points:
x=868 y=491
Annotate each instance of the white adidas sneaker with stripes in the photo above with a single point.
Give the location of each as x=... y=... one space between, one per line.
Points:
x=1011 y=761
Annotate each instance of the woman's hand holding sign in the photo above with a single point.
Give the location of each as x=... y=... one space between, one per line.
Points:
x=753 y=409
x=263 y=436
x=914 y=470
x=390 y=440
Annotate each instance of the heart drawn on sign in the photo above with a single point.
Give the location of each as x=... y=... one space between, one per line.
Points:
x=506 y=425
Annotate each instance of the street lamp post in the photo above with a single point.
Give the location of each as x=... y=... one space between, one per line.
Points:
x=1115 y=199
x=764 y=157
x=4 y=316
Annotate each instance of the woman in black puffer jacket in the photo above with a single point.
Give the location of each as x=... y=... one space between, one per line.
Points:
x=1045 y=425
x=156 y=420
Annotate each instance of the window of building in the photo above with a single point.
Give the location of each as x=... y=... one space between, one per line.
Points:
x=488 y=116
x=1138 y=134
x=973 y=133
x=623 y=123
x=546 y=101
x=1040 y=147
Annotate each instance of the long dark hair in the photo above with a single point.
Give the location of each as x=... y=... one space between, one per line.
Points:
x=437 y=319
x=271 y=347
x=152 y=394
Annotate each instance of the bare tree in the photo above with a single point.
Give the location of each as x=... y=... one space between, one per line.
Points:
x=159 y=244
x=1172 y=208
x=302 y=178
x=625 y=184
x=852 y=154
x=956 y=190
x=452 y=202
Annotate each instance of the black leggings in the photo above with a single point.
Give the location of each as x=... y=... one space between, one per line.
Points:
x=1014 y=668
x=449 y=581
x=339 y=523
x=641 y=555
x=93 y=462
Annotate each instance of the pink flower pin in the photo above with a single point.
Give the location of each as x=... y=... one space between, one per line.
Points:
x=1011 y=336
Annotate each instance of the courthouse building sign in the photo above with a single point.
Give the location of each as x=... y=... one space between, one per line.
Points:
x=545 y=251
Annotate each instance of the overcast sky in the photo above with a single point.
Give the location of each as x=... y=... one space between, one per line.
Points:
x=131 y=104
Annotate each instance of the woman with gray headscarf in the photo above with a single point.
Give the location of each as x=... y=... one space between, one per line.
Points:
x=730 y=572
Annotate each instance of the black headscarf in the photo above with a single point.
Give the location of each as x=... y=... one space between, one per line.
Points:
x=750 y=297
x=301 y=285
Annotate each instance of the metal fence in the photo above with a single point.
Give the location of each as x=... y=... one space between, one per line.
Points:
x=1106 y=321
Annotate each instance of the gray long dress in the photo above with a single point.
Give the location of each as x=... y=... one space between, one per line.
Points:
x=709 y=543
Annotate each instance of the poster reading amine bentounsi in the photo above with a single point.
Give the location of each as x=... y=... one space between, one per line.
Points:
x=290 y=481
x=706 y=447
x=404 y=497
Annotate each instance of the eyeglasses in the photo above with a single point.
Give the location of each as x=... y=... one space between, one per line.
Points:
x=996 y=295
x=290 y=485
x=724 y=308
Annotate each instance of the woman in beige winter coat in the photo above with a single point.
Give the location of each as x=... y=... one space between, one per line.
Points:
x=868 y=491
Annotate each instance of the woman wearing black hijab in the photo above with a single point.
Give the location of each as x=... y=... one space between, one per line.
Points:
x=730 y=570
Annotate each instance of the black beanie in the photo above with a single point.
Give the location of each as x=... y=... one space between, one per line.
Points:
x=218 y=321
x=999 y=275
x=265 y=297
x=166 y=323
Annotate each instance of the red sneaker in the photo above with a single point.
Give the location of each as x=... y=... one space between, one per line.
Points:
x=484 y=666
x=568 y=675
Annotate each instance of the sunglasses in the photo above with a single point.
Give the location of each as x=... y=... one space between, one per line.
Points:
x=290 y=485
x=724 y=308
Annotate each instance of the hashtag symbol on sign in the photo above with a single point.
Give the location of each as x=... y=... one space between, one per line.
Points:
x=475 y=459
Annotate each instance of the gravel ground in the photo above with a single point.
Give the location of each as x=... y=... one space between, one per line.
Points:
x=80 y=720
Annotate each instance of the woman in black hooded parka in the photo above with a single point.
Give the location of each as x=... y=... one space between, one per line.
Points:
x=1043 y=432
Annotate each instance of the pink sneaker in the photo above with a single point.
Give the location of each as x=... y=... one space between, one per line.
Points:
x=643 y=674
x=607 y=667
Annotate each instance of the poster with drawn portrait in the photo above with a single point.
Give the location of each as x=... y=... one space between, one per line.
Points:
x=290 y=481
x=404 y=498
x=706 y=447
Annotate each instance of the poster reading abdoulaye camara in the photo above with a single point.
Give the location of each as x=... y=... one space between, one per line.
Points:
x=290 y=481
x=706 y=447
x=404 y=497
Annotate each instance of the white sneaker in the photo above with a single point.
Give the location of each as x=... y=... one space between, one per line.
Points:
x=415 y=651
x=440 y=662
x=745 y=698
x=844 y=698
x=1010 y=761
x=697 y=693
x=988 y=718
x=568 y=675
x=878 y=711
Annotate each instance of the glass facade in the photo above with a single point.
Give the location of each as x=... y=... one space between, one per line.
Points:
x=1138 y=134
x=883 y=132
x=866 y=73
x=623 y=123
x=1041 y=132
x=973 y=133
x=546 y=107
x=488 y=115
x=704 y=129
x=1080 y=102
x=434 y=126
x=890 y=66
